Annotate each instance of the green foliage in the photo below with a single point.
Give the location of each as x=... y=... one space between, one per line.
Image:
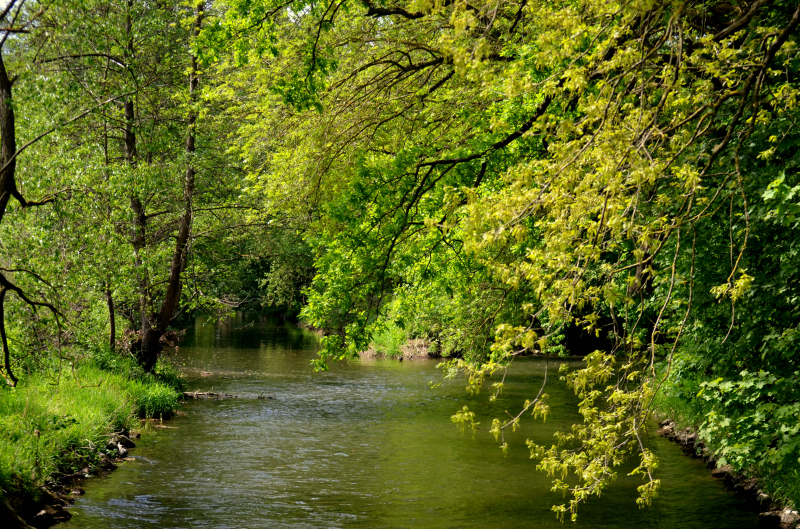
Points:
x=492 y=176
x=389 y=340
x=786 y=200
x=487 y=177
x=754 y=420
x=53 y=424
x=739 y=436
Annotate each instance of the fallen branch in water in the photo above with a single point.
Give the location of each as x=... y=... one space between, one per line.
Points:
x=199 y=394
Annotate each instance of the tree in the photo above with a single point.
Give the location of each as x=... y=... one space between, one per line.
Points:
x=16 y=20
x=591 y=162
x=137 y=49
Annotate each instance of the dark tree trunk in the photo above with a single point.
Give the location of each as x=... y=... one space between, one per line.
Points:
x=112 y=335
x=151 y=334
x=138 y=241
x=7 y=188
x=130 y=136
x=150 y=348
x=8 y=141
x=6 y=352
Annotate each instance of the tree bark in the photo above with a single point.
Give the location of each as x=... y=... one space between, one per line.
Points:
x=8 y=147
x=112 y=335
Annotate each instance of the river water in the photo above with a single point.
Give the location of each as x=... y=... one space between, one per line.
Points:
x=366 y=444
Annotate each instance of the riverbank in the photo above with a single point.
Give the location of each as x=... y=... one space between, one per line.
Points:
x=57 y=428
x=772 y=494
x=415 y=349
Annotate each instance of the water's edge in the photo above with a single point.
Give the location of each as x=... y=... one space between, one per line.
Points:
x=772 y=513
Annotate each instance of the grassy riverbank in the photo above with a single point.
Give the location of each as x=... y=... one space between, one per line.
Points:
x=57 y=423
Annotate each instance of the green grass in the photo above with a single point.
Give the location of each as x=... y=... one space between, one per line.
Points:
x=678 y=402
x=389 y=340
x=783 y=485
x=55 y=424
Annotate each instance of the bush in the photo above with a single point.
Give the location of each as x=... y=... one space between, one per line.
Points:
x=759 y=439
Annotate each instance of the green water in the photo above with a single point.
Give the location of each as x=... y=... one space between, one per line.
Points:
x=366 y=444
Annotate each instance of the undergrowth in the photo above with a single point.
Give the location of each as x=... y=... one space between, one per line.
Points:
x=58 y=422
x=678 y=400
x=783 y=485
x=388 y=340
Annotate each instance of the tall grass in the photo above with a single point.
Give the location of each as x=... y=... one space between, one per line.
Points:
x=783 y=485
x=52 y=425
x=677 y=401
x=388 y=340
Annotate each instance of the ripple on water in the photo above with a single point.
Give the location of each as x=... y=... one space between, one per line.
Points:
x=362 y=445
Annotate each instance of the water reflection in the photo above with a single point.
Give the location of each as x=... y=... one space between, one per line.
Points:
x=366 y=444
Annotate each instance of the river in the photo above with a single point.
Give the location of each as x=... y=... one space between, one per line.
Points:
x=366 y=444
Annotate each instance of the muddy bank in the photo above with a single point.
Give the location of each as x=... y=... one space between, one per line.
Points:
x=771 y=513
x=418 y=349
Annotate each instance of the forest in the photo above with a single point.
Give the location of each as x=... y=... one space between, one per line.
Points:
x=500 y=179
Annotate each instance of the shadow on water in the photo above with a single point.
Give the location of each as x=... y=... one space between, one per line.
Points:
x=366 y=444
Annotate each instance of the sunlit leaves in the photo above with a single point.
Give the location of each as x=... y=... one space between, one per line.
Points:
x=492 y=174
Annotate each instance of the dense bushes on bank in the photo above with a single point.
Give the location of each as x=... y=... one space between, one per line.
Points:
x=679 y=401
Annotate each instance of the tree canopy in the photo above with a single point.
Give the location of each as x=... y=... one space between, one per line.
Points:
x=502 y=179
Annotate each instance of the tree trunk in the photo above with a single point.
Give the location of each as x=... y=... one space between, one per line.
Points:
x=112 y=335
x=148 y=347
x=151 y=345
x=8 y=148
x=179 y=256
x=8 y=140
x=138 y=242
x=12 y=380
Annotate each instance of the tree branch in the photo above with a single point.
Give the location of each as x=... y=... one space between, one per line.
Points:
x=500 y=144
x=84 y=55
x=47 y=133
x=377 y=12
x=740 y=23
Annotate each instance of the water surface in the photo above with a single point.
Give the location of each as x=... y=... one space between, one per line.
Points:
x=366 y=444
